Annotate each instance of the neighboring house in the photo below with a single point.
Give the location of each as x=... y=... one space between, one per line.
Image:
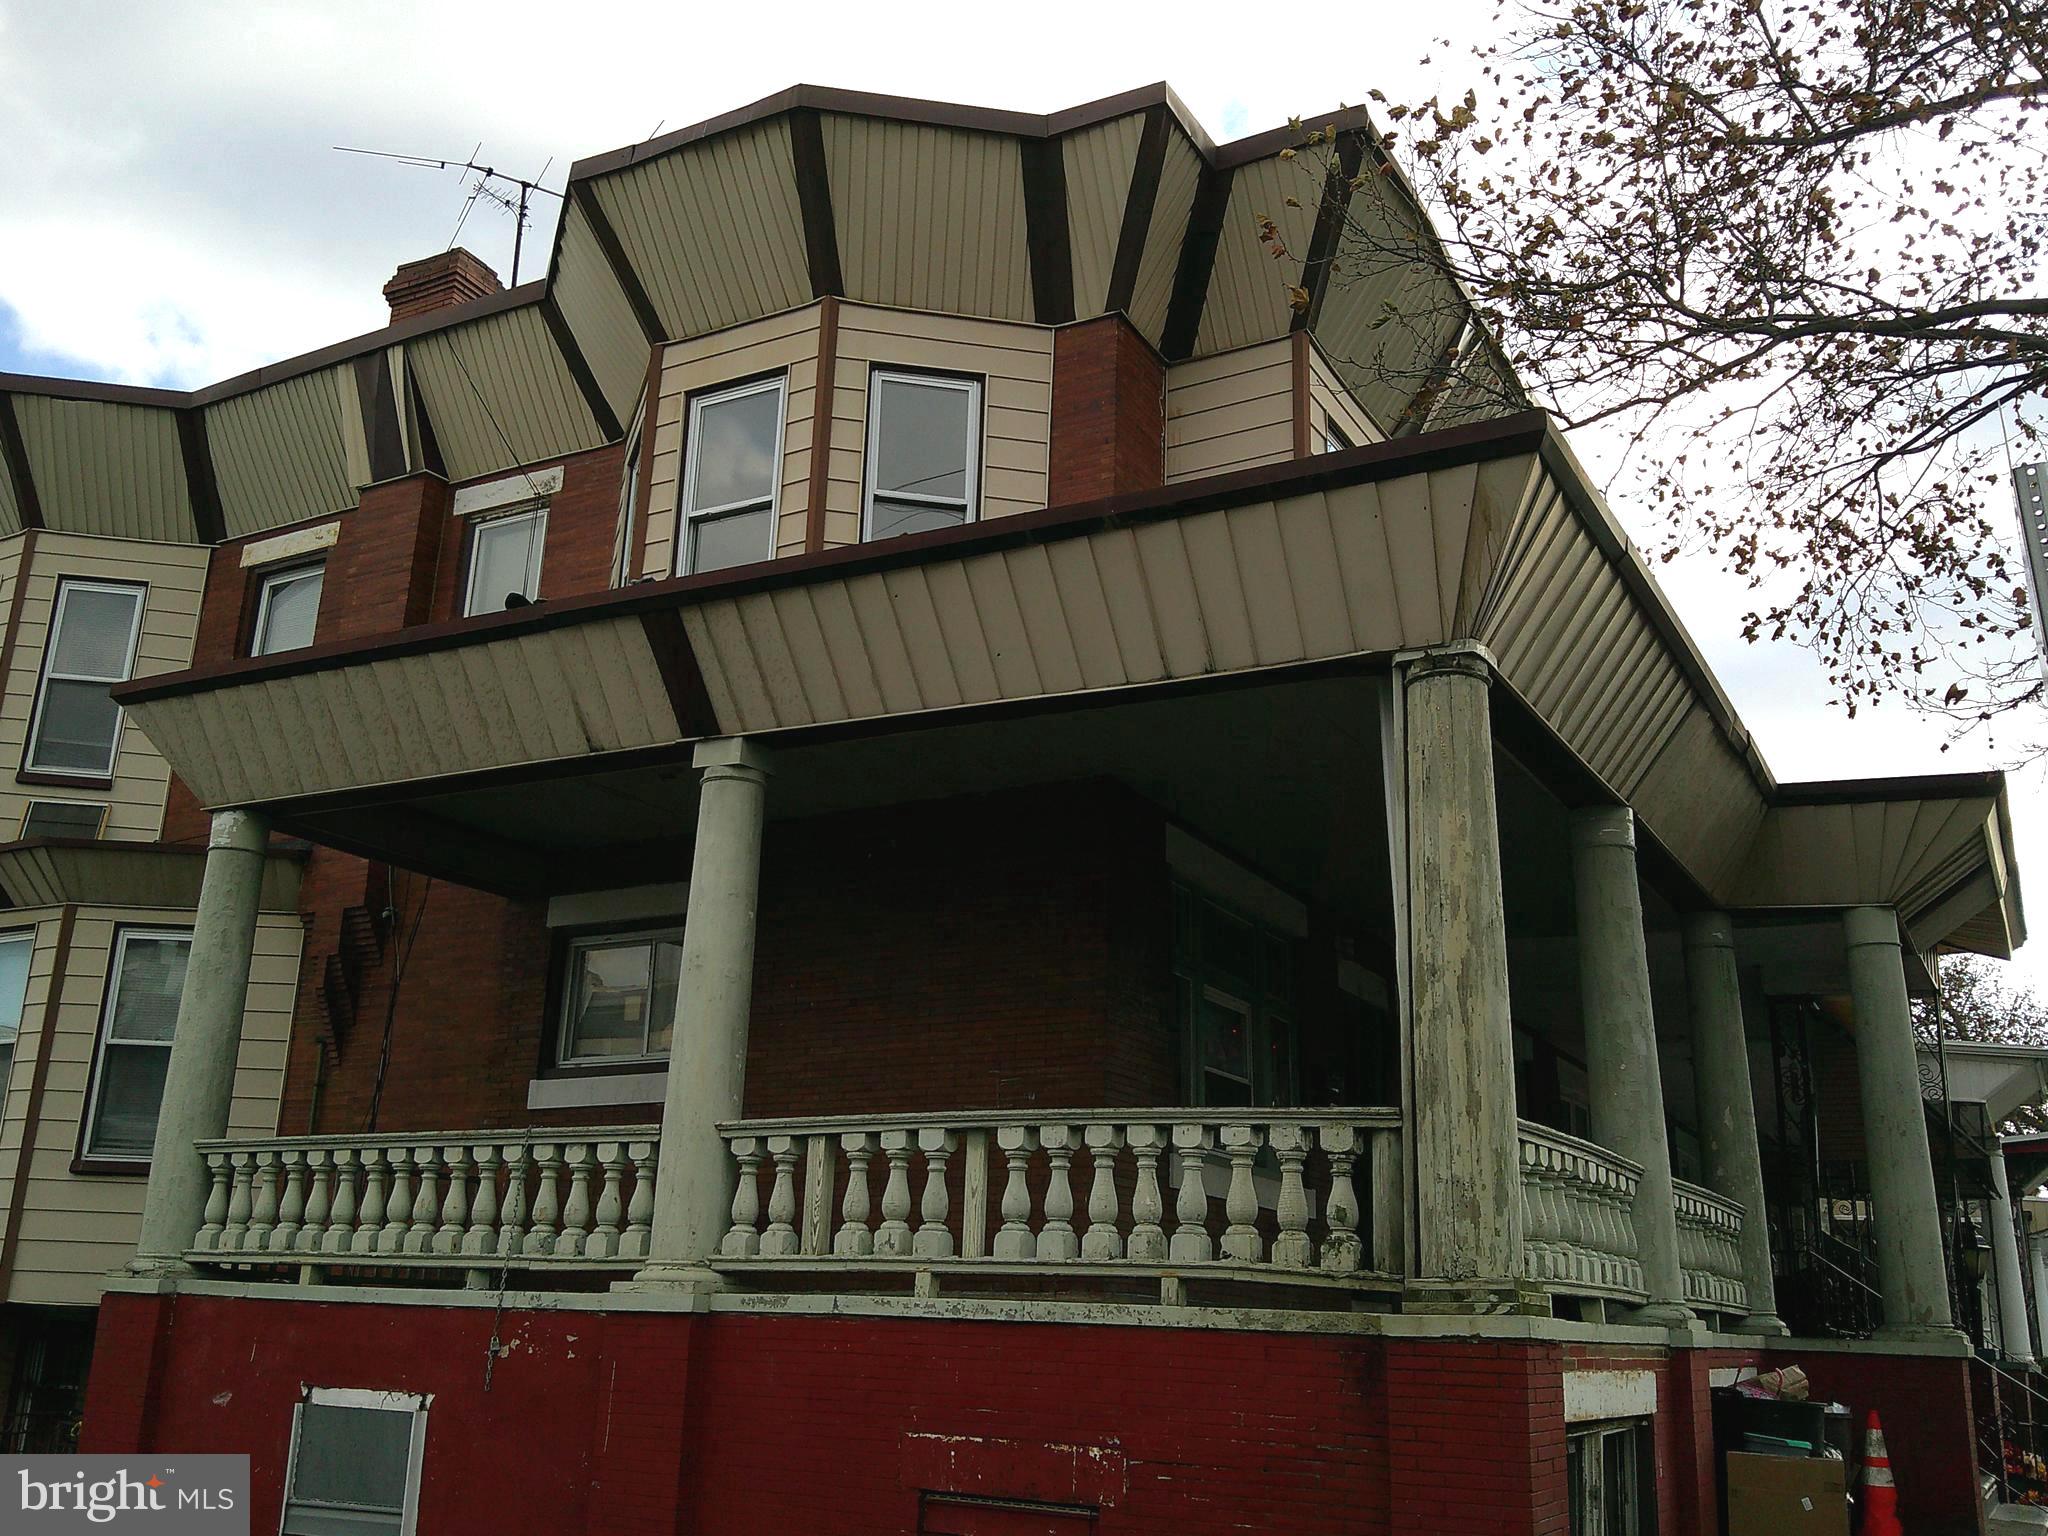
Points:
x=959 y=875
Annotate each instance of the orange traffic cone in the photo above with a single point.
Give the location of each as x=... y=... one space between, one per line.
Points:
x=1880 y=1494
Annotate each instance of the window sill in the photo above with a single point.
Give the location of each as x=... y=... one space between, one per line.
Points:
x=121 y=1167
x=64 y=780
x=597 y=1090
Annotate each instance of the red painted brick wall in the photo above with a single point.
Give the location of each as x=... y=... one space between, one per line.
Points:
x=1475 y=1437
x=1108 y=405
x=577 y=555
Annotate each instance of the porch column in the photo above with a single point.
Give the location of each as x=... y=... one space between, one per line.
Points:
x=1727 y=1107
x=1467 y=1151
x=1621 y=1041
x=2013 y=1334
x=1910 y=1275
x=2037 y=1253
x=708 y=1054
x=199 y=1079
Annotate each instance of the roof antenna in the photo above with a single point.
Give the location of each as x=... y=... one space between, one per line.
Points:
x=512 y=197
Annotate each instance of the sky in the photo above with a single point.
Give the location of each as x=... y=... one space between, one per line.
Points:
x=173 y=210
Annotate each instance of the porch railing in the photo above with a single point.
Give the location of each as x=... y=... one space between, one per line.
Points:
x=1578 y=1217
x=469 y=1199
x=1311 y=1196
x=1710 y=1249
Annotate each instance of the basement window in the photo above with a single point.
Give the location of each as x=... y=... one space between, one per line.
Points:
x=92 y=646
x=354 y=1468
x=732 y=477
x=619 y=997
x=923 y=453
x=1611 y=1479
x=143 y=987
x=15 y=952
x=504 y=560
x=63 y=818
x=287 y=610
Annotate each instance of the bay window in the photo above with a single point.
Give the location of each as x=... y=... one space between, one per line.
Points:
x=77 y=726
x=732 y=475
x=923 y=453
x=144 y=983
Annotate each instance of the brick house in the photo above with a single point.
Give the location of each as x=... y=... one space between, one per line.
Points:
x=899 y=854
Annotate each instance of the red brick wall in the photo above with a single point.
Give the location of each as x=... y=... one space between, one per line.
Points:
x=577 y=555
x=380 y=573
x=1108 y=404
x=1475 y=1437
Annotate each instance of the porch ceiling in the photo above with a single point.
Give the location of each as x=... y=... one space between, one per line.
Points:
x=1488 y=533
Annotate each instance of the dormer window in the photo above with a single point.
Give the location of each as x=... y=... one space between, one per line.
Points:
x=732 y=476
x=287 y=609
x=924 y=453
x=504 y=560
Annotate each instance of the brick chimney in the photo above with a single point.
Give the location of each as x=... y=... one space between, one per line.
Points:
x=452 y=277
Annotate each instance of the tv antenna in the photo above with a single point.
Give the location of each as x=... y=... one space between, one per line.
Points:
x=512 y=196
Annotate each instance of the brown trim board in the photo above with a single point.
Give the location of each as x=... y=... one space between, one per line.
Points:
x=1197 y=261
x=583 y=197
x=1046 y=235
x=1139 y=201
x=1298 y=390
x=601 y=413
x=14 y=464
x=814 y=202
x=821 y=424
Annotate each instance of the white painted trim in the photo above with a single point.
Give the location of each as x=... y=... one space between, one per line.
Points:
x=627 y=904
x=530 y=485
x=364 y=1397
x=412 y=1404
x=289 y=546
x=1591 y=1395
x=1221 y=876
x=594 y=1090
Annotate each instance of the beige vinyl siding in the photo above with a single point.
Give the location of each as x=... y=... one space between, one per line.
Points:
x=1014 y=363
x=781 y=343
x=1247 y=298
x=1179 y=175
x=174 y=575
x=106 y=467
x=1230 y=412
x=76 y=1227
x=1098 y=162
x=1328 y=399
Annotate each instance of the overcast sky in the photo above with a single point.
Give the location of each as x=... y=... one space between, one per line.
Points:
x=173 y=211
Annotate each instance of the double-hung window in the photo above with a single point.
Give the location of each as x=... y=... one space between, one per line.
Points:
x=287 y=609
x=93 y=631
x=504 y=560
x=619 y=996
x=354 y=1467
x=141 y=1015
x=923 y=453
x=15 y=951
x=731 y=479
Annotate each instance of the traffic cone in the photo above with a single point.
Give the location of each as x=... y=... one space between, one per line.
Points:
x=1880 y=1494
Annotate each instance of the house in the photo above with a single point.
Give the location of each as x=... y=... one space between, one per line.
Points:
x=955 y=867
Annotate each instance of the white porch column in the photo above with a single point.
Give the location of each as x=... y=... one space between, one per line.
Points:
x=1621 y=1041
x=708 y=1054
x=2013 y=1334
x=1467 y=1151
x=199 y=1080
x=2037 y=1253
x=1727 y=1107
x=1908 y=1217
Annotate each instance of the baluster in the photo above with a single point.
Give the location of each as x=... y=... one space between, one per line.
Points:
x=1017 y=1143
x=640 y=1207
x=893 y=1238
x=239 y=1202
x=481 y=1239
x=1241 y=1238
x=547 y=1200
x=208 y=1236
x=512 y=1217
x=1291 y=1246
x=1057 y=1241
x=1342 y=1249
x=1103 y=1240
x=1148 y=1237
x=291 y=1207
x=853 y=1240
x=343 y=1221
x=319 y=1200
x=576 y=1210
x=611 y=1201
x=263 y=1216
x=1539 y=1233
x=780 y=1240
x=455 y=1204
x=386 y=1200
x=743 y=1237
x=934 y=1239
x=426 y=1199
x=1191 y=1243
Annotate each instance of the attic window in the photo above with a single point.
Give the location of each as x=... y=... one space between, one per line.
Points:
x=504 y=560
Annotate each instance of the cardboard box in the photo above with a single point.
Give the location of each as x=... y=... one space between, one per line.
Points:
x=1772 y=1495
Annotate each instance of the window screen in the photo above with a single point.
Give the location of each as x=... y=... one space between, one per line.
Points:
x=351 y=1469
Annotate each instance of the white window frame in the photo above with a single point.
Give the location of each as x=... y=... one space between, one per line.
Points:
x=270 y=581
x=871 y=455
x=417 y=1404
x=66 y=585
x=629 y=501
x=90 y=1125
x=16 y=936
x=536 y=511
x=692 y=514
x=597 y=939
x=97 y=807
